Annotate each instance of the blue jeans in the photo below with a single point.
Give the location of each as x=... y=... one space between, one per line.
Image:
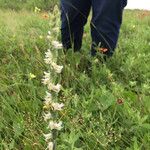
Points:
x=105 y=23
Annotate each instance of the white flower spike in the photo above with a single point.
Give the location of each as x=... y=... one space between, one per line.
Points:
x=49 y=104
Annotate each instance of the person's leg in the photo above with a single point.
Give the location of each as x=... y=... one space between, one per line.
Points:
x=74 y=15
x=105 y=24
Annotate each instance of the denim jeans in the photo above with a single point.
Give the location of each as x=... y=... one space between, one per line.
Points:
x=105 y=23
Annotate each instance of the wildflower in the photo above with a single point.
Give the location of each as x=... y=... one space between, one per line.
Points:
x=46 y=78
x=133 y=26
x=56 y=45
x=45 y=16
x=103 y=50
x=47 y=116
x=41 y=37
x=37 y=10
x=32 y=76
x=48 y=57
x=50 y=146
x=54 y=125
x=57 y=106
x=48 y=99
x=55 y=88
x=57 y=68
x=119 y=101
x=48 y=136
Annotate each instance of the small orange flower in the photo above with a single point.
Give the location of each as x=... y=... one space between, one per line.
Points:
x=120 y=101
x=103 y=50
x=45 y=16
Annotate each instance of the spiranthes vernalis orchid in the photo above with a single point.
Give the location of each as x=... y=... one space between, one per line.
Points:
x=51 y=103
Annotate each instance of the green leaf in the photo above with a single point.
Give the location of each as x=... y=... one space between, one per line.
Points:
x=146 y=126
x=18 y=129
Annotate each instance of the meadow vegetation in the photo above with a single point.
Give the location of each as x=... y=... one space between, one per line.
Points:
x=107 y=108
x=27 y=4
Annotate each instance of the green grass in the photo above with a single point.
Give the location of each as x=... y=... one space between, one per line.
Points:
x=27 y=4
x=92 y=117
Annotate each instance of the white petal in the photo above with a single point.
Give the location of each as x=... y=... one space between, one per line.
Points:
x=48 y=57
x=49 y=32
x=48 y=136
x=57 y=68
x=47 y=116
x=48 y=98
x=56 y=45
x=54 y=125
x=55 y=88
x=50 y=146
x=57 y=106
x=46 y=78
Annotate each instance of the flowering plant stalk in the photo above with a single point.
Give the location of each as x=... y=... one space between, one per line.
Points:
x=51 y=104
